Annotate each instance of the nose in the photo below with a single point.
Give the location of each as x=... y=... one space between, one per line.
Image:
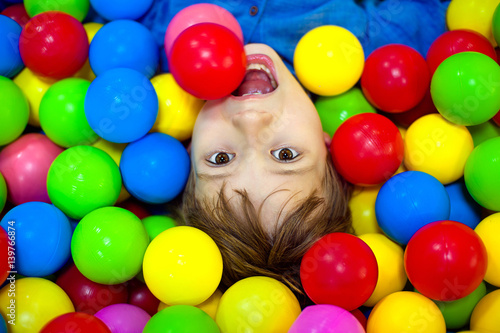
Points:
x=253 y=123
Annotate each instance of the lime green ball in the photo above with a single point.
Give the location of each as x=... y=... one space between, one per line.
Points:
x=14 y=111
x=483 y=132
x=62 y=113
x=108 y=245
x=482 y=174
x=3 y=192
x=156 y=224
x=334 y=110
x=181 y=319
x=76 y=8
x=465 y=89
x=495 y=24
x=81 y=179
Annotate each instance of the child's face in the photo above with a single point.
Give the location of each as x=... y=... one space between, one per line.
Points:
x=261 y=142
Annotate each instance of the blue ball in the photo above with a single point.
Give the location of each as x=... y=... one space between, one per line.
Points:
x=155 y=168
x=464 y=208
x=121 y=105
x=124 y=43
x=408 y=201
x=121 y=9
x=42 y=236
x=10 y=57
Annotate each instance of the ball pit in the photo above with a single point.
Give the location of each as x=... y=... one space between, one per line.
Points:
x=488 y=230
x=362 y=205
x=78 y=321
x=15 y=111
x=156 y=224
x=17 y=12
x=484 y=131
x=119 y=9
x=326 y=318
x=11 y=62
x=406 y=118
x=484 y=317
x=123 y=318
x=142 y=297
x=76 y=8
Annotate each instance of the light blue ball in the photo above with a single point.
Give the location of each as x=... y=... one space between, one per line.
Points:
x=121 y=105
x=464 y=208
x=42 y=236
x=155 y=168
x=407 y=202
x=10 y=57
x=124 y=43
x=121 y=9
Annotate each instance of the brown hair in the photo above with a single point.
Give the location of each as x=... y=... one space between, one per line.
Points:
x=248 y=250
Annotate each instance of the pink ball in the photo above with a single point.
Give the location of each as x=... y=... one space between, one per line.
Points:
x=200 y=13
x=24 y=164
x=326 y=318
x=124 y=318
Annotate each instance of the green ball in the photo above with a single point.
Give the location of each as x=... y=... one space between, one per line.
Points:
x=482 y=174
x=62 y=113
x=14 y=111
x=156 y=224
x=76 y=8
x=181 y=319
x=108 y=245
x=3 y=192
x=465 y=89
x=81 y=179
x=334 y=110
x=483 y=132
x=495 y=24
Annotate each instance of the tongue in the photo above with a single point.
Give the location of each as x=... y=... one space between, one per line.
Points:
x=255 y=81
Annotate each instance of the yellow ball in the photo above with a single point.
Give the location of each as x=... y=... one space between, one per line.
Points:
x=474 y=15
x=437 y=147
x=328 y=60
x=86 y=71
x=391 y=271
x=257 y=304
x=406 y=311
x=182 y=265
x=485 y=317
x=33 y=303
x=362 y=205
x=178 y=109
x=489 y=232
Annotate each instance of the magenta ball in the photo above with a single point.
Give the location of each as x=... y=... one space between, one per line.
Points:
x=24 y=164
x=326 y=318
x=124 y=318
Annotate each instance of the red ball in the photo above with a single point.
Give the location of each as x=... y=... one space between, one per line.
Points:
x=88 y=296
x=339 y=269
x=445 y=260
x=18 y=13
x=4 y=255
x=496 y=118
x=75 y=322
x=395 y=78
x=367 y=149
x=136 y=207
x=141 y=296
x=456 y=41
x=406 y=118
x=54 y=44
x=208 y=61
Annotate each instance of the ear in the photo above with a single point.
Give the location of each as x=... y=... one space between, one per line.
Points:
x=328 y=139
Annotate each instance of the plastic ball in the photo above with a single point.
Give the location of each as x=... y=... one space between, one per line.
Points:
x=54 y=44
x=25 y=164
x=124 y=318
x=11 y=62
x=456 y=41
x=406 y=118
x=155 y=169
x=86 y=72
x=124 y=44
x=174 y=262
x=178 y=109
x=396 y=78
x=367 y=149
x=75 y=322
x=334 y=110
x=121 y=105
x=156 y=224
x=4 y=256
x=482 y=174
x=209 y=306
x=485 y=318
x=142 y=297
x=408 y=201
x=15 y=111
x=445 y=260
x=326 y=318
x=62 y=113
x=74 y=177
x=179 y=319
x=17 y=12
x=362 y=205
x=119 y=9
x=339 y=269
x=484 y=131
x=76 y=8
x=463 y=208
x=208 y=52
x=328 y=60
x=489 y=230
x=37 y=301
x=437 y=147
x=258 y=304
x=406 y=311
x=200 y=13
x=495 y=24
x=391 y=272
x=463 y=88
x=108 y=245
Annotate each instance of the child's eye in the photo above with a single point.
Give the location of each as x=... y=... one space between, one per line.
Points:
x=285 y=154
x=220 y=158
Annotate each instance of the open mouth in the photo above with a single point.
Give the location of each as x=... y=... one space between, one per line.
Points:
x=259 y=77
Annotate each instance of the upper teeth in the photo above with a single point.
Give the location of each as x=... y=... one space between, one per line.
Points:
x=262 y=67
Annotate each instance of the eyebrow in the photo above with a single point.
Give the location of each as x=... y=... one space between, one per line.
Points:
x=282 y=172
